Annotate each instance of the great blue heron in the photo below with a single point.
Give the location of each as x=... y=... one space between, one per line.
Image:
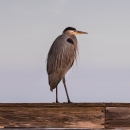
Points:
x=61 y=57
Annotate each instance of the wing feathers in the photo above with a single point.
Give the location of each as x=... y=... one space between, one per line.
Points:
x=60 y=59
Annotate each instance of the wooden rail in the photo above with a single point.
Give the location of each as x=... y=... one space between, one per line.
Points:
x=62 y=115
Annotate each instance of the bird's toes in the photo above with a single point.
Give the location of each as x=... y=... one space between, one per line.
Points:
x=70 y=102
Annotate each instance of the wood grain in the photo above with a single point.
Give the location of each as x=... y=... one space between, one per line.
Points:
x=52 y=115
x=117 y=117
x=63 y=115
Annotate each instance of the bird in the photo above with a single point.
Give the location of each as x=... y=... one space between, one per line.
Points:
x=60 y=58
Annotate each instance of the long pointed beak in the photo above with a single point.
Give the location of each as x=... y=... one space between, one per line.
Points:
x=80 y=32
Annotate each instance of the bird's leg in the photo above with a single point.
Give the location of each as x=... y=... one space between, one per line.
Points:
x=66 y=90
x=57 y=94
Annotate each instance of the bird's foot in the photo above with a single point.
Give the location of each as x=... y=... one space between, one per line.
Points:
x=57 y=101
x=69 y=101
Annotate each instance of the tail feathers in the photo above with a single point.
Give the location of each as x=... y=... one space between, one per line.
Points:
x=51 y=89
x=53 y=81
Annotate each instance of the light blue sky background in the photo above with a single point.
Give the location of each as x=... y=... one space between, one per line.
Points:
x=29 y=27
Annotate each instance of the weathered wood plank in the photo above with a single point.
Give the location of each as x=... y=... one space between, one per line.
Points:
x=51 y=116
x=63 y=115
x=64 y=129
x=117 y=117
x=56 y=129
x=65 y=104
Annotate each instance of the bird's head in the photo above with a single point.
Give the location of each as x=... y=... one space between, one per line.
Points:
x=73 y=31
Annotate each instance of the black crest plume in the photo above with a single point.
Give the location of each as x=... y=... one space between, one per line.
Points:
x=69 y=28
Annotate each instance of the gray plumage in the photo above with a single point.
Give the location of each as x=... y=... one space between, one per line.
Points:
x=61 y=57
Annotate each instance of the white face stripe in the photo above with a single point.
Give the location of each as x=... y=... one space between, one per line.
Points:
x=72 y=31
